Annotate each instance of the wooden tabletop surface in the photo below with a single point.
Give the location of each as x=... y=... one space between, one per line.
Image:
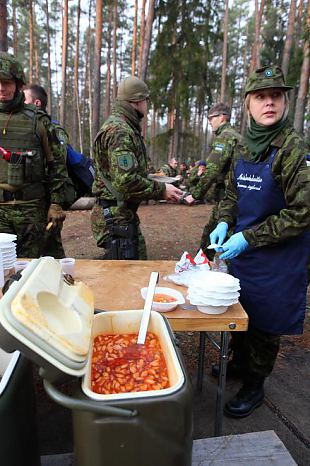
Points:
x=116 y=286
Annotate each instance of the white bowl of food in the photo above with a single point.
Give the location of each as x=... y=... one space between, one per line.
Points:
x=165 y=299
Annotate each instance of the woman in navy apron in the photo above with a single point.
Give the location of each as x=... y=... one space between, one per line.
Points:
x=267 y=204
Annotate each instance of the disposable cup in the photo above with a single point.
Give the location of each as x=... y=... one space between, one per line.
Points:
x=68 y=265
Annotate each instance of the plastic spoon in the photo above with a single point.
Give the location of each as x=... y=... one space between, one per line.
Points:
x=147 y=308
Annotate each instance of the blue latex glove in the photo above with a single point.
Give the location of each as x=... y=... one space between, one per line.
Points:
x=219 y=234
x=234 y=246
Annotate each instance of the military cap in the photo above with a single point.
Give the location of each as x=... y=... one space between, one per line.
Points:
x=10 y=68
x=202 y=163
x=132 y=89
x=219 y=109
x=265 y=78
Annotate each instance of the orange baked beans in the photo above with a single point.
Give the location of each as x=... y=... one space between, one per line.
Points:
x=163 y=298
x=119 y=365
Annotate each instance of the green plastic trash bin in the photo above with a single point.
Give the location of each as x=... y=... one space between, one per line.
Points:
x=19 y=444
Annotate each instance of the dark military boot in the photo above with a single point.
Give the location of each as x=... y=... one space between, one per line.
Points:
x=250 y=396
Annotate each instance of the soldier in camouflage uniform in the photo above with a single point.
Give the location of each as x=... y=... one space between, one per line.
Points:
x=171 y=169
x=32 y=177
x=212 y=184
x=267 y=203
x=194 y=184
x=121 y=175
x=58 y=138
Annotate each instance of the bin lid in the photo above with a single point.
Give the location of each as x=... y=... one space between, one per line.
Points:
x=50 y=317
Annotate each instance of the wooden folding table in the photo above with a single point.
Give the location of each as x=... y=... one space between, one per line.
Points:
x=116 y=286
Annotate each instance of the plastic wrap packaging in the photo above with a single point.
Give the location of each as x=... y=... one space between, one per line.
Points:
x=189 y=269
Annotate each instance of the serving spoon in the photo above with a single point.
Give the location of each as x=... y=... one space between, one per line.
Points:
x=147 y=308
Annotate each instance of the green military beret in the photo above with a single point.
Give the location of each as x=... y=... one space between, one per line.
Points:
x=10 y=68
x=132 y=89
x=265 y=78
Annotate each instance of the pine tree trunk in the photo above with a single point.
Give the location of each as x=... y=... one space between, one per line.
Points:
x=49 y=76
x=88 y=81
x=107 y=95
x=30 y=41
x=304 y=80
x=64 y=62
x=289 y=38
x=14 y=24
x=97 y=65
x=255 y=59
x=35 y=47
x=142 y=30
x=134 y=41
x=3 y=26
x=147 y=38
x=171 y=131
x=153 y=136
x=224 y=64
x=76 y=114
x=115 y=20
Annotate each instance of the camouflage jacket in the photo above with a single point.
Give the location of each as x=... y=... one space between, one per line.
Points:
x=169 y=171
x=290 y=171
x=211 y=182
x=193 y=182
x=120 y=157
x=56 y=171
x=59 y=140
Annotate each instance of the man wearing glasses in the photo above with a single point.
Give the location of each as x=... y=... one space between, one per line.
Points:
x=218 y=163
x=121 y=181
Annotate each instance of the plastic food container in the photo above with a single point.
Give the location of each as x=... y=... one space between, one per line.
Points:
x=165 y=307
x=53 y=323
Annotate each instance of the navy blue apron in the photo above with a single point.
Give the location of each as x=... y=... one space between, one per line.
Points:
x=273 y=278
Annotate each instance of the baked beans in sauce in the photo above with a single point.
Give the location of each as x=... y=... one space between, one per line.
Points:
x=163 y=298
x=119 y=365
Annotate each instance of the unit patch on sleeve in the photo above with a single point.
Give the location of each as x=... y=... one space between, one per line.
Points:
x=125 y=162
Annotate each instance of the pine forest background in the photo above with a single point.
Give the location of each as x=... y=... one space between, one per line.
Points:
x=192 y=54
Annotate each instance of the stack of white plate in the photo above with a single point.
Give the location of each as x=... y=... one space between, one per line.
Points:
x=214 y=292
x=8 y=250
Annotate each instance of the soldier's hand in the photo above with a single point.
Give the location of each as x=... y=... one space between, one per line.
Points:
x=55 y=215
x=189 y=199
x=172 y=193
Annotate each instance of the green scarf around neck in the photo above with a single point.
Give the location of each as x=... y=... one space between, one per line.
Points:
x=133 y=116
x=13 y=105
x=258 y=138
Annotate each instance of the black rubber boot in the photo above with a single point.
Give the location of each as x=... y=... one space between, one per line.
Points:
x=250 y=396
x=234 y=370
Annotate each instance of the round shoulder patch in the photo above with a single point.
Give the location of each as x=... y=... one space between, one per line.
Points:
x=268 y=73
x=125 y=162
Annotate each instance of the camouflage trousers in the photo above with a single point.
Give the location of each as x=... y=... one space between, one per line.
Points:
x=121 y=217
x=256 y=351
x=28 y=222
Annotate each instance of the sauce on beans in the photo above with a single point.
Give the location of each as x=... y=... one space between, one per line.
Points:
x=119 y=365
x=163 y=298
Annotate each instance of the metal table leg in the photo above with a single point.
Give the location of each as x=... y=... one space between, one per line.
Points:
x=221 y=384
x=201 y=359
